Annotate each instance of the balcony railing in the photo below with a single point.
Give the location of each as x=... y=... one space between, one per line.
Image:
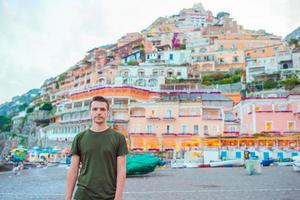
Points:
x=118 y=120
x=231 y=133
x=211 y=118
x=137 y=116
x=272 y=132
x=153 y=118
x=171 y=134
x=189 y=115
x=142 y=133
x=291 y=132
x=169 y=118
x=118 y=107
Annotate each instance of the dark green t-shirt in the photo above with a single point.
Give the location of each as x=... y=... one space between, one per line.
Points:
x=98 y=153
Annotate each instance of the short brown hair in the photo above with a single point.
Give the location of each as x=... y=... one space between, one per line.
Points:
x=99 y=99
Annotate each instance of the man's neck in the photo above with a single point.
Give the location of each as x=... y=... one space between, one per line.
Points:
x=99 y=128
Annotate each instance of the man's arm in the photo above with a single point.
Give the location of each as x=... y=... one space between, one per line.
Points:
x=121 y=176
x=72 y=176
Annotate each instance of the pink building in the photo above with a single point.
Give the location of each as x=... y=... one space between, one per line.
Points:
x=272 y=115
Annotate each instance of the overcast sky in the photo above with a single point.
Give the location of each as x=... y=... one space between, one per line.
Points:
x=40 y=39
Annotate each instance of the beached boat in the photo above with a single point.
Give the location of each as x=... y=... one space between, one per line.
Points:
x=296 y=163
x=141 y=164
x=193 y=158
x=283 y=162
x=177 y=163
x=227 y=163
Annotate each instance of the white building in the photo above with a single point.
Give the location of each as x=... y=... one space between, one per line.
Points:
x=148 y=76
x=267 y=65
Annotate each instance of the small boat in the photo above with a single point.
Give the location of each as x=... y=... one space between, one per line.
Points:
x=284 y=162
x=296 y=166
x=267 y=162
x=227 y=163
x=296 y=163
x=177 y=163
x=141 y=164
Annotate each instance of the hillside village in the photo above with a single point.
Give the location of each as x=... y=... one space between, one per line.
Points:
x=194 y=78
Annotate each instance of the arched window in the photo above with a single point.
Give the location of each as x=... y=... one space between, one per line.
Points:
x=140 y=82
x=152 y=82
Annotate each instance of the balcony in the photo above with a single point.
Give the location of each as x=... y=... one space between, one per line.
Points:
x=264 y=111
x=154 y=118
x=119 y=107
x=211 y=118
x=272 y=133
x=118 y=120
x=170 y=118
x=72 y=110
x=231 y=134
x=169 y=134
x=283 y=111
x=189 y=115
x=72 y=121
x=184 y=134
x=143 y=133
x=291 y=132
x=137 y=116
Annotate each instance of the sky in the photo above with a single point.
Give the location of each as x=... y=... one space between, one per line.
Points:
x=40 y=39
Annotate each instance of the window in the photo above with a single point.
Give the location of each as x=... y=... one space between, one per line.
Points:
x=168 y=129
x=282 y=107
x=149 y=129
x=235 y=59
x=171 y=56
x=257 y=108
x=291 y=125
x=221 y=47
x=232 y=128
x=196 y=129
x=221 y=60
x=169 y=113
x=205 y=129
x=268 y=126
x=184 y=129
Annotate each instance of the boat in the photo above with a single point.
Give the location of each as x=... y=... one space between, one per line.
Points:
x=284 y=162
x=141 y=164
x=227 y=163
x=177 y=163
x=296 y=163
x=267 y=162
x=193 y=158
x=296 y=166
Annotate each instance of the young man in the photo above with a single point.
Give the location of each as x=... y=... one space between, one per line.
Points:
x=102 y=154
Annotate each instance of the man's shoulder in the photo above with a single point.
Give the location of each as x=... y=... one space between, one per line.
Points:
x=81 y=134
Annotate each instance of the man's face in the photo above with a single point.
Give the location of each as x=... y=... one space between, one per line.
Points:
x=99 y=112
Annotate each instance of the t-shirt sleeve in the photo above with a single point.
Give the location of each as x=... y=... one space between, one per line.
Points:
x=75 y=146
x=122 y=149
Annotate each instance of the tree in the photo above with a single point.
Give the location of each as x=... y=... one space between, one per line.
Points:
x=269 y=85
x=290 y=83
x=46 y=106
x=5 y=123
x=23 y=107
x=294 y=42
x=30 y=110
x=133 y=63
x=222 y=14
